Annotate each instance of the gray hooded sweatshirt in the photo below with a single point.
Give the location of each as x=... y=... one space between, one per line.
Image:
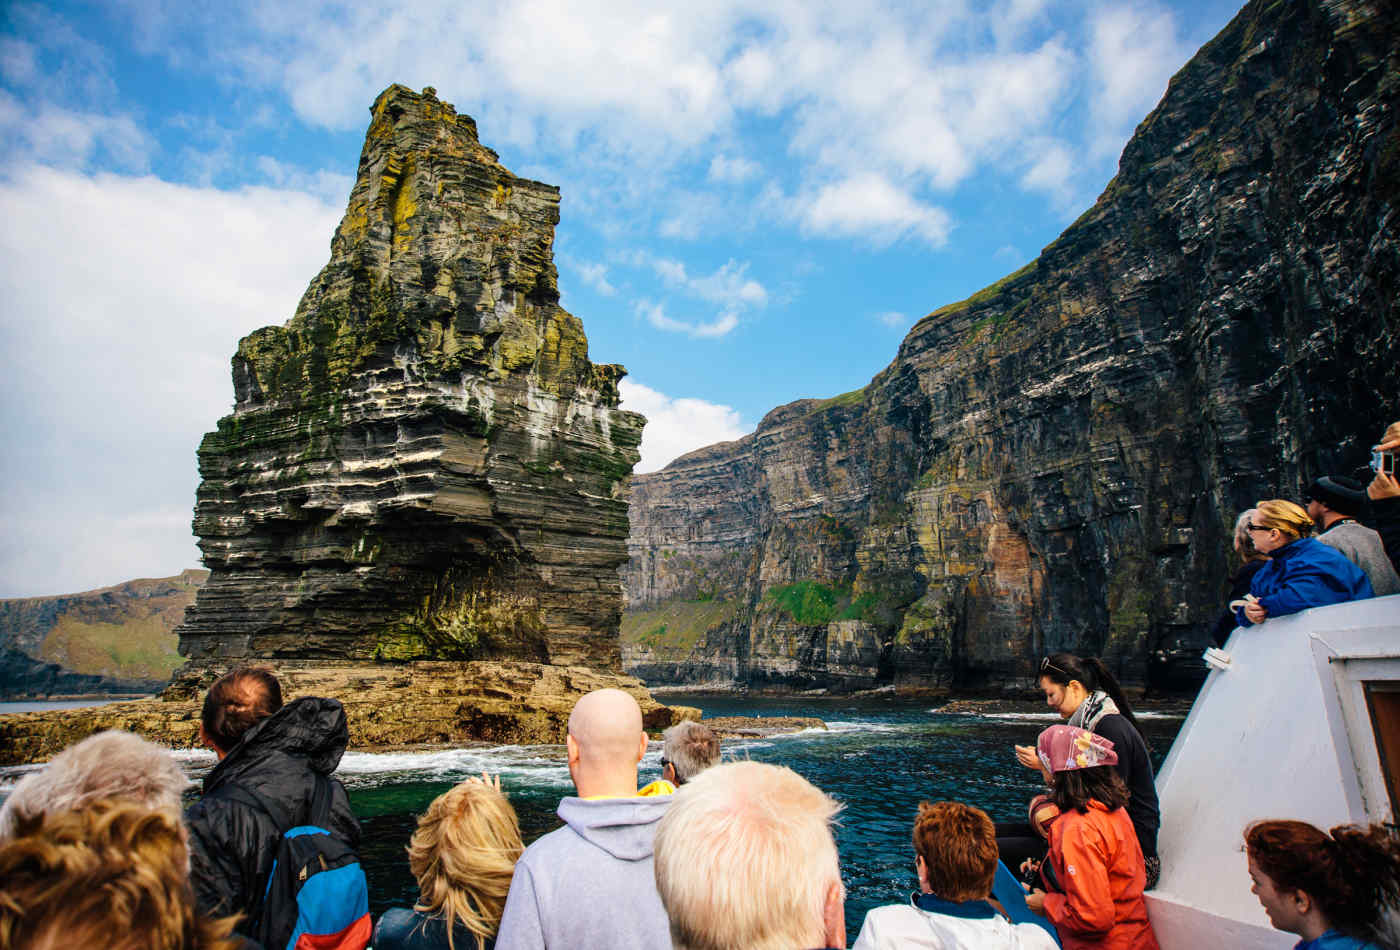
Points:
x=590 y=884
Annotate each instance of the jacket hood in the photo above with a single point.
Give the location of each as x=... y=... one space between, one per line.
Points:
x=312 y=728
x=623 y=827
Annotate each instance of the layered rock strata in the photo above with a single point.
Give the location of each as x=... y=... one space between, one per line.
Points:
x=387 y=706
x=1056 y=463
x=423 y=463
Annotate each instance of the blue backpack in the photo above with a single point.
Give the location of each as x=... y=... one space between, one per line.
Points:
x=316 y=896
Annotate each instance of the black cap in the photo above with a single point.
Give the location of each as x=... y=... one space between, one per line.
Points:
x=1346 y=496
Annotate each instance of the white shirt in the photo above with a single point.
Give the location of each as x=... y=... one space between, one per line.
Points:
x=903 y=925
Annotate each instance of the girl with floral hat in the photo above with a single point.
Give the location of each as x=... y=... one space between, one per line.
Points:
x=1094 y=861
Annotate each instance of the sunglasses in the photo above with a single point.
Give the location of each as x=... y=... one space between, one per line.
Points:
x=1251 y=526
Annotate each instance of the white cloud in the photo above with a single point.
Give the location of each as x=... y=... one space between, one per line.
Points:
x=655 y=314
x=124 y=300
x=732 y=171
x=922 y=96
x=331 y=187
x=18 y=60
x=728 y=286
x=1052 y=172
x=1133 y=52
x=869 y=205
x=594 y=275
x=677 y=426
x=59 y=136
x=892 y=318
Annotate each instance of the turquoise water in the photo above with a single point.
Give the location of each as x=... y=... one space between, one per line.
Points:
x=880 y=757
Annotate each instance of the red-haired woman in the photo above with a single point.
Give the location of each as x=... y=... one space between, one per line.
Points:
x=1330 y=890
x=955 y=855
x=1096 y=868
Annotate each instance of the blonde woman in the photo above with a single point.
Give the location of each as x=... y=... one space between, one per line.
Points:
x=1301 y=573
x=463 y=855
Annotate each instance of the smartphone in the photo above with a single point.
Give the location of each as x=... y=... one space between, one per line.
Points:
x=1383 y=462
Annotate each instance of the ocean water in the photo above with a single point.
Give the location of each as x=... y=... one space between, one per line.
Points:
x=880 y=757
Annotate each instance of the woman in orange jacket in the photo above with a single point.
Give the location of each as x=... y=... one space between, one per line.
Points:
x=1095 y=870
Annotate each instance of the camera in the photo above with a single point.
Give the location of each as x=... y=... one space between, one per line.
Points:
x=1383 y=462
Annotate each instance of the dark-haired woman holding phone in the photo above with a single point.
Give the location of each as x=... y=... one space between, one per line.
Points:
x=1085 y=693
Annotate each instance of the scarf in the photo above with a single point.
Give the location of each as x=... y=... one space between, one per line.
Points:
x=1093 y=709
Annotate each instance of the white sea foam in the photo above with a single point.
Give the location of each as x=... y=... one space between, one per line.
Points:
x=541 y=763
x=856 y=725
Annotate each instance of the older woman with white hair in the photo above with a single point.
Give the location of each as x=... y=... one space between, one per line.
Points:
x=108 y=765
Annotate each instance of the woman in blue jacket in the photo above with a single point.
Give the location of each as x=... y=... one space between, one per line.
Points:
x=1301 y=572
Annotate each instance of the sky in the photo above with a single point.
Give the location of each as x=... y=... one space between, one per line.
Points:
x=759 y=199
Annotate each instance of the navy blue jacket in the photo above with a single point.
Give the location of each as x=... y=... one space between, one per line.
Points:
x=402 y=929
x=1302 y=574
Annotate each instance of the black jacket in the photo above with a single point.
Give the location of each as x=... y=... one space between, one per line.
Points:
x=1385 y=519
x=232 y=844
x=1135 y=768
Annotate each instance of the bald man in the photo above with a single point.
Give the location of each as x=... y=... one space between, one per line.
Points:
x=591 y=884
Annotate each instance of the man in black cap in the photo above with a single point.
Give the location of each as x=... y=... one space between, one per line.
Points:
x=1334 y=501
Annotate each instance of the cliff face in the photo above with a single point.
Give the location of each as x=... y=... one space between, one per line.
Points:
x=1057 y=462
x=422 y=463
x=117 y=639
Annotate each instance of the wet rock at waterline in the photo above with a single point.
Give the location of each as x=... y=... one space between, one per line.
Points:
x=386 y=705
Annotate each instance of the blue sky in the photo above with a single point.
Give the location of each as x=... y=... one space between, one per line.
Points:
x=759 y=200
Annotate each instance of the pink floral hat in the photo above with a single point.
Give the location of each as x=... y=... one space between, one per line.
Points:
x=1062 y=748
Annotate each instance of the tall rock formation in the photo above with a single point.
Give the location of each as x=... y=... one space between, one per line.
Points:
x=1057 y=462
x=422 y=463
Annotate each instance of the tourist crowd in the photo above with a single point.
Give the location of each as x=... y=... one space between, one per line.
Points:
x=95 y=851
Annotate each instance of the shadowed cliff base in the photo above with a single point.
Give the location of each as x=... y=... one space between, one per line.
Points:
x=1056 y=462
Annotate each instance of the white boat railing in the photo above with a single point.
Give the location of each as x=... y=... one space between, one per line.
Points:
x=1284 y=730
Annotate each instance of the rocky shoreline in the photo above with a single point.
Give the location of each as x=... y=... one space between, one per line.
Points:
x=389 y=706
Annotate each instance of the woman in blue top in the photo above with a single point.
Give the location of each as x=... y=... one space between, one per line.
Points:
x=1331 y=890
x=1301 y=572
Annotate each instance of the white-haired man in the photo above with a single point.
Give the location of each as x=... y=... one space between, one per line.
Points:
x=590 y=884
x=745 y=858
x=687 y=749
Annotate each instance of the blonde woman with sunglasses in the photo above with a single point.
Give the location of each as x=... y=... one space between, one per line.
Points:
x=1301 y=573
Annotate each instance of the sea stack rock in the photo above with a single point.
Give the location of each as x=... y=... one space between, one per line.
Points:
x=1057 y=462
x=422 y=463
